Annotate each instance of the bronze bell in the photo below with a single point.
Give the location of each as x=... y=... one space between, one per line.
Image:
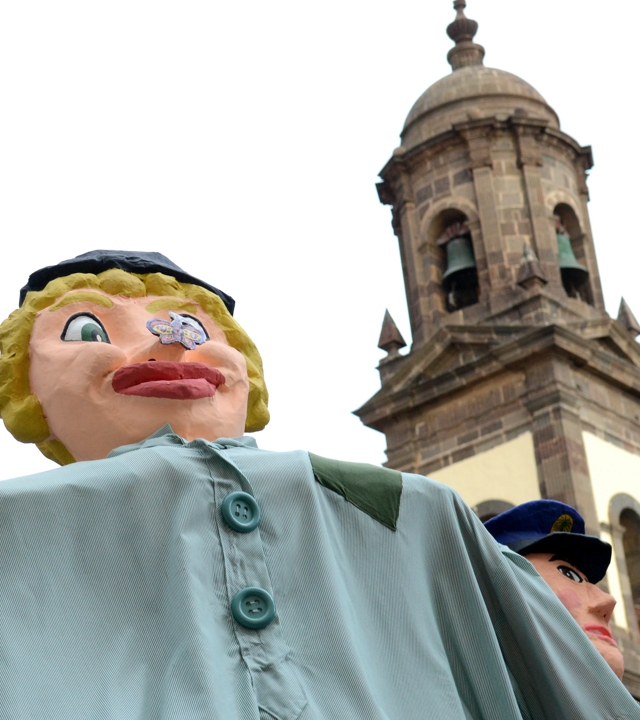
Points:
x=573 y=273
x=459 y=256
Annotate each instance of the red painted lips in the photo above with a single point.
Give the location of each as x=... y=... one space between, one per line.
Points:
x=173 y=380
x=600 y=630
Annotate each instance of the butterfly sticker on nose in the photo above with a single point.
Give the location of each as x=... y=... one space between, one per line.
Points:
x=182 y=329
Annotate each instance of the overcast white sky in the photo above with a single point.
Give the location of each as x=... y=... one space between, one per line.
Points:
x=243 y=140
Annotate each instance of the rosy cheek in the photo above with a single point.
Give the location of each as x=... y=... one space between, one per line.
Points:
x=570 y=599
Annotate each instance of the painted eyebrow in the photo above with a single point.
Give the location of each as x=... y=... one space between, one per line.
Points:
x=176 y=305
x=82 y=297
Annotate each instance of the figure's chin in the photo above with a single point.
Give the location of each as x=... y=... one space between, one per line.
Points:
x=137 y=418
x=208 y=428
x=612 y=656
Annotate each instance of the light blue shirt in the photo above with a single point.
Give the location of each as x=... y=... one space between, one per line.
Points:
x=117 y=578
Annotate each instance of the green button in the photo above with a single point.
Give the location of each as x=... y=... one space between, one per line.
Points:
x=253 y=608
x=241 y=512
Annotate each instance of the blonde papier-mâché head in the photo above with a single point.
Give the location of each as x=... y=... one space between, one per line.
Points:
x=21 y=409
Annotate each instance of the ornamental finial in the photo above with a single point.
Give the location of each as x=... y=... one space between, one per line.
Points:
x=462 y=31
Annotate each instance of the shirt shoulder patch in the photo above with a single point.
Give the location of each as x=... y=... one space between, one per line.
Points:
x=372 y=489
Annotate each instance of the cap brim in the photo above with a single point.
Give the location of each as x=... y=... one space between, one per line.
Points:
x=588 y=553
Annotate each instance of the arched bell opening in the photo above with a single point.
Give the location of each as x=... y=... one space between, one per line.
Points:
x=452 y=245
x=571 y=254
x=488 y=509
x=630 y=521
x=460 y=280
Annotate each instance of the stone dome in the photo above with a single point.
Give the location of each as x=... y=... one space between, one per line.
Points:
x=471 y=93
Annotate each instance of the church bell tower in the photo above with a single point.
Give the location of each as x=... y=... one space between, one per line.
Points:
x=517 y=385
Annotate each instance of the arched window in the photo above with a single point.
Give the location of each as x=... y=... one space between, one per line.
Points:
x=460 y=274
x=571 y=254
x=488 y=509
x=630 y=521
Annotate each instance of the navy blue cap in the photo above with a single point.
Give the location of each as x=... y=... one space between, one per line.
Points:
x=97 y=261
x=549 y=526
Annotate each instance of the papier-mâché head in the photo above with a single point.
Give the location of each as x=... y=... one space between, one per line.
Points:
x=122 y=302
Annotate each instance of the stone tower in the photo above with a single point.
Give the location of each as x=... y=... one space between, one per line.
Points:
x=518 y=385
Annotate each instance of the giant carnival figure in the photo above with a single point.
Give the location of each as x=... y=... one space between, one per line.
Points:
x=551 y=535
x=171 y=569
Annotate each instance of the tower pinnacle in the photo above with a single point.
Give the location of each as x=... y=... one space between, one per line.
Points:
x=462 y=31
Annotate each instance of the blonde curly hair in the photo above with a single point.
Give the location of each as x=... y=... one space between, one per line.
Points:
x=20 y=409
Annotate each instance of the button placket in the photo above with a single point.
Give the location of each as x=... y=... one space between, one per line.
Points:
x=245 y=564
x=263 y=649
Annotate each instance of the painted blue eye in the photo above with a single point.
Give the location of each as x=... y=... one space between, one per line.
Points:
x=84 y=327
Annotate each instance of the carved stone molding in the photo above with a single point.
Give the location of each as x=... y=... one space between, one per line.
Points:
x=478 y=137
x=528 y=149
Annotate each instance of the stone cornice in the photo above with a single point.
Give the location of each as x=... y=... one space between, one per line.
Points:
x=405 y=160
x=403 y=397
x=470 y=101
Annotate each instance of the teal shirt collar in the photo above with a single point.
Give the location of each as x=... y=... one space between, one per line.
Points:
x=166 y=436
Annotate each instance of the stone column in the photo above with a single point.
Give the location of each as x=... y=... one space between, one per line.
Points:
x=563 y=472
x=407 y=228
x=584 y=163
x=530 y=161
x=478 y=141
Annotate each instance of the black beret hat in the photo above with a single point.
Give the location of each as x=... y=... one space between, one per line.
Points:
x=97 y=261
